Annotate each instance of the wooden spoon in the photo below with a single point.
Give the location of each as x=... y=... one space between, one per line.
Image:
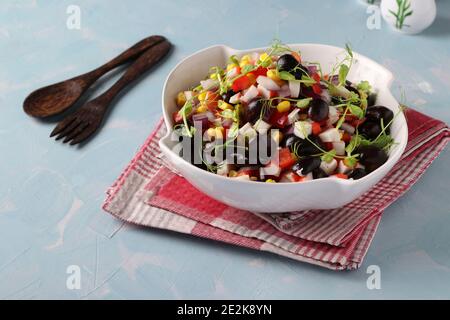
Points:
x=56 y=98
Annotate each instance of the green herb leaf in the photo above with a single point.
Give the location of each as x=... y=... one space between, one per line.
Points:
x=353 y=144
x=303 y=103
x=308 y=81
x=343 y=72
x=356 y=111
x=284 y=75
x=350 y=161
x=364 y=86
x=227 y=114
x=349 y=50
x=328 y=156
x=184 y=113
x=234 y=59
x=247 y=68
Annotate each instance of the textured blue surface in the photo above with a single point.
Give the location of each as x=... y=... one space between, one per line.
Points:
x=50 y=194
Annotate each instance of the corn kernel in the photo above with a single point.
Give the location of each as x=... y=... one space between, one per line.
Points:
x=202 y=108
x=263 y=56
x=246 y=58
x=202 y=96
x=284 y=106
x=273 y=74
x=231 y=66
x=213 y=76
x=223 y=105
x=270 y=181
x=181 y=99
x=219 y=133
x=232 y=174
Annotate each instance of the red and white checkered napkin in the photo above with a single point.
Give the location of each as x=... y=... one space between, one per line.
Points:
x=148 y=193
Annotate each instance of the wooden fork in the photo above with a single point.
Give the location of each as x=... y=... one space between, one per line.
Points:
x=81 y=124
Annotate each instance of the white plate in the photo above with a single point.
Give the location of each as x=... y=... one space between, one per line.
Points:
x=324 y=193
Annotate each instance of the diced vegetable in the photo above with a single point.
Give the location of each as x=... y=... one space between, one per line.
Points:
x=302 y=129
x=294 y=88
x=251 y=94
x=330 y=135
x=339 y=146
x=284 y=106
x=285 y=158
x=267 y=83
x=261 y=126
x=329 y=167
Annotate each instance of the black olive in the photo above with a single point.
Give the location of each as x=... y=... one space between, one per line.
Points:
x=372 y=157
x=226 y=96
x=370 y=129
x=319 y=173
x=287 y=63
x=378 y=113
x=289 y=141
x=371 y=99
x=318 y=111
x=309 y=146
x=253 y=111
x=299 y=72
x=306 y=165
x=357 y=173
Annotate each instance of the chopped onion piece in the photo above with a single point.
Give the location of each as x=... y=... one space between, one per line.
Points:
x=294 y=88
x=267 y=83
x=348 y=128
x=251 y=94
x=208 y=84
x=330 y=135
x=342 y=168
x=261 y=126
x=302 y=129
x=329 y=167
x=293 y=116
x=235 y=99
x=339 y=147
x=188 y=95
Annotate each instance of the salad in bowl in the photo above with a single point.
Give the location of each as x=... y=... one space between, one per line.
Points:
x=278 y=116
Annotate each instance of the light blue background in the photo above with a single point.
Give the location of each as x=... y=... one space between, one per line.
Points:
x=51 y=194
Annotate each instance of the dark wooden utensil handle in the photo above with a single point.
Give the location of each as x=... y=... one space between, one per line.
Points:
x=128 y=55
x=148 y=59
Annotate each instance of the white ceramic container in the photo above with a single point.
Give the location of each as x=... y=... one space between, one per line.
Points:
x=324 y=193
x=409 y=16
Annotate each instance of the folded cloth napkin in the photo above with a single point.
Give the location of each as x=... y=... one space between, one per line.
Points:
x=149 y=193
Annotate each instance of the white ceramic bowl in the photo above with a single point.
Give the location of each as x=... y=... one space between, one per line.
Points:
x=324 y=193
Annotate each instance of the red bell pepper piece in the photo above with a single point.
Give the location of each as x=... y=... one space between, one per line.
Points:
x=260 y=71
x=279 y=119
x=346 y=137
x=317 y=88
x=340 y=176
x=285 y=159
x=316 y=128
x=211 y=100
x=241 y=83
x=328 y=146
